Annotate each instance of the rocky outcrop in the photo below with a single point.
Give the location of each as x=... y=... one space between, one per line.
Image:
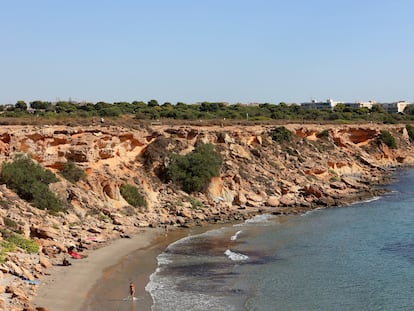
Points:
x=322 y=166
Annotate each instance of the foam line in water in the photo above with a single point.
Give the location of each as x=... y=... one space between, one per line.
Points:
x=264 y=218
x=190 y=238
x=234 y=237
x=235 y=256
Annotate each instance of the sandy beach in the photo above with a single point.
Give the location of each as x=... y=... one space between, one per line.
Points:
x=66 y=288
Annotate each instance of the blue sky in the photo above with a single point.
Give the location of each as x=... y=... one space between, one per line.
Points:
x=206 y=50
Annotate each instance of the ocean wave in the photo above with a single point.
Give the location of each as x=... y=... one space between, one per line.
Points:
x=313 y=211
x=376 y=198
x=258 y=219
x=235 y=256
x=189 y=239
x=171 y=293
x=236 y=235
x=163 y=259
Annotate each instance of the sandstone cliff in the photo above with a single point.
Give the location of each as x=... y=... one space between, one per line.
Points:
x=321 y=166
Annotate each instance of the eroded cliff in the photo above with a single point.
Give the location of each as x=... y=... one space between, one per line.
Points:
x=321 y=166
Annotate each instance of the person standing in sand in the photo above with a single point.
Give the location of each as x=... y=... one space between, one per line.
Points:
x=131 y=290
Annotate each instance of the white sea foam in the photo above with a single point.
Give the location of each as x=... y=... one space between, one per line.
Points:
x=190 y=238
x=313 y=211
x=164 y=292
x=234 y=237
x=264 y=218
x=235 y=256
x=163 y=259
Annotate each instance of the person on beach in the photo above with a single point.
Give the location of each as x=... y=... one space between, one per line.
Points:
x=65 y=262
x=80 y=246
x=131 y=289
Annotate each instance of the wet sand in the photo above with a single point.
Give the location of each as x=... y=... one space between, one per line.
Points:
x=66 y=288
x=111 y=291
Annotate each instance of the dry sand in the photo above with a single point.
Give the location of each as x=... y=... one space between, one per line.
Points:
x=66 y=288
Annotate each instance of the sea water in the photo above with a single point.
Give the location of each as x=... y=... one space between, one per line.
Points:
x=359 y=257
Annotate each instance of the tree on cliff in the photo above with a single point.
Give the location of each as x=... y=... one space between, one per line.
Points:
x=30 y=181
x=386 y=138
x=280 y=134
x=194 y=170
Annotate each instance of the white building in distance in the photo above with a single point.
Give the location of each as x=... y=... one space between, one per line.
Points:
x=394 y=107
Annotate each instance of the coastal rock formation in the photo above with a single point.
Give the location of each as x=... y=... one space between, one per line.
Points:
x=321 y=166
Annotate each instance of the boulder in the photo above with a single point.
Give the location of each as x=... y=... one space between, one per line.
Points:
x=44 y=262
x=15 y=292
x=338 y=185
x=54 y=244
x=251 y=196
x=252 y=203
x=94 y=230
x=27 y=274
x=14 y=269
x=240 y=199
x=185 y=212
x=180 y=220
x=200 y=216
x=239 y=151
x=44 y=232
x=273 y=201
x=313 y=190
x=3 y=304
x=287 y=200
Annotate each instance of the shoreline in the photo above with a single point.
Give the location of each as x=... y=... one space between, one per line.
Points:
x=60 y=289
x=137 y=266
x=66 y=288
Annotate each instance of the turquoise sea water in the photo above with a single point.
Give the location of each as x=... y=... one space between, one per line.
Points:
x=359 y=257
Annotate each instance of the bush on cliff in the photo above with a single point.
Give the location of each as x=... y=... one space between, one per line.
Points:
x=132 y=195
x=410 y=131
x=30 y=181
x=193 y=171
x=71 y=172
x=28 y=245
x=12 y=240
x=386 y=138
x=280 y=134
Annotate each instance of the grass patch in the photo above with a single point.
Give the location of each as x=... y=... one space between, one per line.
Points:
x=195 y=204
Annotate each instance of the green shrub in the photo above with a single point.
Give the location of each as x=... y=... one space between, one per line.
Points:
x=71 y=172
x=195 y=204
x=7 y=246
x=28 y=245
x=132 y=195
x=410 y=131
x=386 y=138
x=10 y=223
x=323 y=134
x=193 y=171
x=280 y=134
x=30 y=181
